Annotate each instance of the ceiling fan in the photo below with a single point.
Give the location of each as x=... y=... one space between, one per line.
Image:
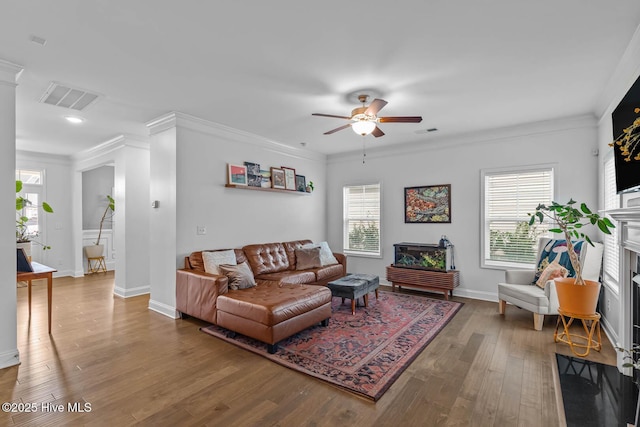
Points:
x=365 y=119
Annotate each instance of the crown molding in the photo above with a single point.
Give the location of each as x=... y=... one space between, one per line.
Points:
x=176 y=119
x=111 y=145
x=10 y=73
x=28 y=156
x=481 y=137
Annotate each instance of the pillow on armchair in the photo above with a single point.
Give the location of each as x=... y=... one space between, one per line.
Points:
x=552 y=271
x=556 y=251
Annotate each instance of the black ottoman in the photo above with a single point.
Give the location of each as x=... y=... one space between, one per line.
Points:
x=354 y=286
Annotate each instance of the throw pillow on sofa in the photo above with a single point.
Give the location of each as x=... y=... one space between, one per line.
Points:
x=326 y=255
x=307 y=258
x=240 y=276
x=214 y=259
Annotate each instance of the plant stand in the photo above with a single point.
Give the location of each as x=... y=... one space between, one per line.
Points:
x=96 y=265
x=586 y=341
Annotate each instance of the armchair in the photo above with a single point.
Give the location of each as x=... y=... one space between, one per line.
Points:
x=519 y=290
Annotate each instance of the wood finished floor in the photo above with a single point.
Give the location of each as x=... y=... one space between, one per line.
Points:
x=137 y=367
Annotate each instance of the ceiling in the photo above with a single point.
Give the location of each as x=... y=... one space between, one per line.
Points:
x=463 y=66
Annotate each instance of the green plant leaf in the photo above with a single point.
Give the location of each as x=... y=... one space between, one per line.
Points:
x=18 y=186
x=585 y=209
x=555 y=230
x=588 y=240
x=603 y=227
x=46 y=207
x=608 y=222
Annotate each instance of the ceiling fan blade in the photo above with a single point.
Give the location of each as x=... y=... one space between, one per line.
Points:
x=337 y=129
x=331 y=115
x=377 y=132
x=375 y=106
x=400 y=119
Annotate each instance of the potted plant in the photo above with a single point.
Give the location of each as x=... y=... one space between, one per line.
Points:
x=24 y=237
x=96 y=250
x=310 y=187
x=575 y=294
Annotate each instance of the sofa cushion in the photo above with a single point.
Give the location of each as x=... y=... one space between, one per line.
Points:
x=291 y=277
x=326 y=255
x=266 y=258
x=290 y=249
x=196 y=262
x=273 y=304
x=328 y=271
x=213 y=259
x=240 y=275
x=307 y=258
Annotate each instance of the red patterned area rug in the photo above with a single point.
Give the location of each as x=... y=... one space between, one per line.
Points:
x=362 y=353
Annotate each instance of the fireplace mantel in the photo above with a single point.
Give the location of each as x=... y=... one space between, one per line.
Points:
x=629 y=240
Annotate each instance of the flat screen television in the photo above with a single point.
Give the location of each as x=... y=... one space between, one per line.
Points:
x=627 y=173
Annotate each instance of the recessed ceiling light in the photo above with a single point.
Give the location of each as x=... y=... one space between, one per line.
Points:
x=74 y=119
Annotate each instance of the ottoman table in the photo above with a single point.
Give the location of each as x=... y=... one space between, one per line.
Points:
x=354 y=286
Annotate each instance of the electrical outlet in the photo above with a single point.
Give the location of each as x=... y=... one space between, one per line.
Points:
x=201 y=230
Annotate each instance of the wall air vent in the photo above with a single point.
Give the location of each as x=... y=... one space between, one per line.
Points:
x=68 y=97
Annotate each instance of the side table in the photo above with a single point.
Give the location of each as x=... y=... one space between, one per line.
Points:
x=40 y=271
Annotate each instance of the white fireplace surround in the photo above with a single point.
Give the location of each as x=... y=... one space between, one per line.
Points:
x=629 y=226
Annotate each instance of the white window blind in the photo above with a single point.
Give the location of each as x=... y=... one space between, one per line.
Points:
x=362 y=219
x=508 y=197
x=611 y=261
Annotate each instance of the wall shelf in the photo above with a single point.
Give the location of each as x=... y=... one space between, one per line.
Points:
x=276 y=190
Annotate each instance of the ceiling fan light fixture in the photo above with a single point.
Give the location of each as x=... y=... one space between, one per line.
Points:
x=363 y=127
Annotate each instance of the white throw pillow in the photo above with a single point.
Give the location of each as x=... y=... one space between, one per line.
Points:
x=213 y=259
x=326 y=255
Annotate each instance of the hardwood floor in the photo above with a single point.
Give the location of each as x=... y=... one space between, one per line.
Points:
x=133 y=366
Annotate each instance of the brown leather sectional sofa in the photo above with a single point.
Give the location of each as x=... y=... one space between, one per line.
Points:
x=284 y=302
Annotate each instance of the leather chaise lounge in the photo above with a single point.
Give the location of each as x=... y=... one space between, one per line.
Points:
x=285 y=301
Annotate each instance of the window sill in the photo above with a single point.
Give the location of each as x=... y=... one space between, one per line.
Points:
x=503 y=265
x=362 y=254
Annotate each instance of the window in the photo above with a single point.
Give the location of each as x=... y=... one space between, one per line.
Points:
x=32 y=191
x=508 y=196
x=362 y=219
x=611 y=260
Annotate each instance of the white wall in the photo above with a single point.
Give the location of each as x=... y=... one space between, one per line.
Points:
x=96 y=184
x=567 y=142
x=57 y=226
x=195 y=195
x=9 y=354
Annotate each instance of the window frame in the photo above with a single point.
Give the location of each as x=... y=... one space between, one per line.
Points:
x=485 y=261
x=345 y=221
x=608 y=279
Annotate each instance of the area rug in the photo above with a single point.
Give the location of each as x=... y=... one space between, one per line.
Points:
x=362 y=353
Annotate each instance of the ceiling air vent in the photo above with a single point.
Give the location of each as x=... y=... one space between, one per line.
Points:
x=68 y=97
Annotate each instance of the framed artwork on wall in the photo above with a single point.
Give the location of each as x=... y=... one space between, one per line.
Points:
x=427 y=204
x=301 y=183
x=237 y=174
x=254 y=179
x=277 y=178
x=289 y=178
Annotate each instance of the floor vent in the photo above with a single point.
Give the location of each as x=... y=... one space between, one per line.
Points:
x=68 y=97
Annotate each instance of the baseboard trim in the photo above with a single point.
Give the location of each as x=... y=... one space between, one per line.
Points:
x=479 y=295
x=131 y=292
x=9 y=358
x=164 y=309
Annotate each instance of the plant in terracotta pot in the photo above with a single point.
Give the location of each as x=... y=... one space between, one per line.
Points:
x=24 y=236
x=96 y=250
x=575 y=294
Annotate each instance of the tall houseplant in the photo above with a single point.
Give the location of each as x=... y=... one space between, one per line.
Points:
x=96 y=250
x=570 y=221
x=23 y=235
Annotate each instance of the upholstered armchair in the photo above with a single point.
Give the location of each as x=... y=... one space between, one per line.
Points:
x=520 y=289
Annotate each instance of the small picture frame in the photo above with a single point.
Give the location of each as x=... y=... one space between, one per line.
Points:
x=301 y=183
x=252 y=168
x=237 y=174
x=277 y=178
x=289 y=178
x=254 y=179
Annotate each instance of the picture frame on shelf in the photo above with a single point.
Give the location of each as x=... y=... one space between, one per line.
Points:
x=254 y=179
x=277 y=178
x=289 y=178
x=266 y=178
x=427 y=204
x=301 y=183
x=237 y=174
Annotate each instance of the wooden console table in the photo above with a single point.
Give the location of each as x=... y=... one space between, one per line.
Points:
x=431 y=280
x=39 y=272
